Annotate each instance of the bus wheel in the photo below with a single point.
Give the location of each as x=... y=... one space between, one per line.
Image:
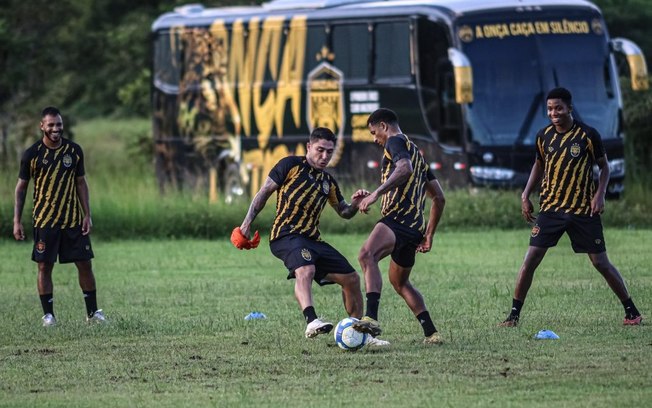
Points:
x=233 y=188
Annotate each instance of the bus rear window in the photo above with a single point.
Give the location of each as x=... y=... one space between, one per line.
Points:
x=167 y=55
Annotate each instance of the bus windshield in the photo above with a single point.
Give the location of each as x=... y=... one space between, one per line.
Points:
x=516 y=61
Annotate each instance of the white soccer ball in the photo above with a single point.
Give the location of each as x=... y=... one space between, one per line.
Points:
x=346 y=337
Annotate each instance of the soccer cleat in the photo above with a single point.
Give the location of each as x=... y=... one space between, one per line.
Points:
x=511 y=321
x=374 y=342
x=634 y=321
x=317 y=327
x=49 y=320
x=368 y=325
x=97 y=317
x=434 y=338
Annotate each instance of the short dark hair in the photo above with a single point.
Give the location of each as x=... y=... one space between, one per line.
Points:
x=383 y=115
x=50 y=111
x=560 y=93
x=322 y=133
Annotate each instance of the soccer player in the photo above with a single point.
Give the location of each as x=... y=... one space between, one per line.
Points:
x=566 y=152
x=61 y=215
x=303 y=189
x=406 y=183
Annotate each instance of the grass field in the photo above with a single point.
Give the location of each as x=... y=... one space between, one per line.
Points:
x=178 y=337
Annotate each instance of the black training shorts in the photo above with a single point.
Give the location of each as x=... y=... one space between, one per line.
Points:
x=68 y=244
x=585 y=232
x=407 y=241
x=296 y=251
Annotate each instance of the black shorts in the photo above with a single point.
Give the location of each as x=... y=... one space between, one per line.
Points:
x=585 y=232
x=69 y=244
x=407 y=241
x=296 y=251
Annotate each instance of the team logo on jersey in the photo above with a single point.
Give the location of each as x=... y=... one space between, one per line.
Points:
x=67 y=160
x=325 y=108
x=575 y=150
x=305 y=254
x=40 y=247
x=325 y=187
x=535 y=231
x=465 y=33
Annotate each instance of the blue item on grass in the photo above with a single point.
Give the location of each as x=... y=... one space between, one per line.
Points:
x=546 y=335
x=255 y=315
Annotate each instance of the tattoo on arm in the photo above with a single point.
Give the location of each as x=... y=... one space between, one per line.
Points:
x=260 y=199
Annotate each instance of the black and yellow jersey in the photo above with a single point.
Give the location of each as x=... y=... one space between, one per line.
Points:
x=55 y=172
x=568 y=158
x=303 y=192
x=405 y=203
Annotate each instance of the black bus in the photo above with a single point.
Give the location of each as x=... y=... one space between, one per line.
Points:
x=236 y=88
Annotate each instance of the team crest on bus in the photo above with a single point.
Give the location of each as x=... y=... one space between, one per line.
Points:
x=67 y=160
x=596 y=26
x=305 y=254
x=325 y=100
x=575 y=150
x=535 y=231
x=465 y=33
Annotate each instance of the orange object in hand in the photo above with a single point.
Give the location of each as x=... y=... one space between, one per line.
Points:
x=241 y=242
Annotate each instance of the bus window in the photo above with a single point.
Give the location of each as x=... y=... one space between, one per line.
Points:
x=392 y=60
x=435 y=80
x=166 y=57
x=317 y=47
x=351 y=44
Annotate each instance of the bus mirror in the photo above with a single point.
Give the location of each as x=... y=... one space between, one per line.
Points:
x=635 y=61
x=463 y=76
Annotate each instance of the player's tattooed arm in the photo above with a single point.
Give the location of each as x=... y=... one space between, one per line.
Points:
x=257 y=204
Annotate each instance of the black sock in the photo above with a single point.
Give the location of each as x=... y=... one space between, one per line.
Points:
x=373 y=300
x=516 y=309
x=47 y=303
x=309 y=314
x=91 y=302
x=426 y=323
x=630 y=310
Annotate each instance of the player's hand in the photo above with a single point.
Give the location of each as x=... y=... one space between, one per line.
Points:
x=19 y=233
x=425 y=245
x=527 y=210
x=240 y=241
x=597 y=204
x=87 y=225
x=367 y=202
x=360 y=194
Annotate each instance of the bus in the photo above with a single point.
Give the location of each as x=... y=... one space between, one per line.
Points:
x=234 y=89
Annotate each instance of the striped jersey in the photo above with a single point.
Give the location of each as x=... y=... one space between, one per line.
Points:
x=301 y=197
x=568 y=159
x=405 y=203
x=55 y=172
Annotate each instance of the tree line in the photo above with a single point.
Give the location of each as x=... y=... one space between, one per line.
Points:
x=92 y=58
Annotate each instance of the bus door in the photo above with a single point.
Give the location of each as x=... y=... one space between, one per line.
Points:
x=441 y=113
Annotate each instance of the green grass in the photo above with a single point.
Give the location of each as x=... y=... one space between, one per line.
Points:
x=178 y=337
